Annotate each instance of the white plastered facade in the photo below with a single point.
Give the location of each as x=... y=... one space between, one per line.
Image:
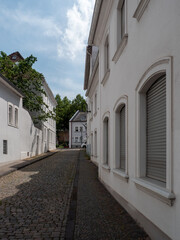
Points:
x=149 y=48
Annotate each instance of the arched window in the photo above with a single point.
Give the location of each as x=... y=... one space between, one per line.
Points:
x=154 y=131
x=121 y=137
x=106 y=141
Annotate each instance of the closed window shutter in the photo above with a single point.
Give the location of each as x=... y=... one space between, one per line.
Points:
x=156 y=130
x=122 y=139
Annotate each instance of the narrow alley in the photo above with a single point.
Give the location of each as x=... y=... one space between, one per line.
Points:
x=60 y=197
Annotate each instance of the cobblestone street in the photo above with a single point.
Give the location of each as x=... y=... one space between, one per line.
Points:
x=60 y=197
x=34 y=199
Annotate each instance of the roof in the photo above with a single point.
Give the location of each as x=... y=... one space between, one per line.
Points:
x=15 y=57
x=10 y=85
x=79 y=116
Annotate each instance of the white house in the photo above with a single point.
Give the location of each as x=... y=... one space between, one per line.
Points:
x=77 y=129
x=19 y=137
x=49 y=127
x=135 y=83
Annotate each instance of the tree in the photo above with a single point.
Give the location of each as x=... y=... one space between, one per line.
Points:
x=29 y=82
x=78 y=103
x=65 y=109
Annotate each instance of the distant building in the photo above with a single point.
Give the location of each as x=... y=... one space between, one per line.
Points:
x=15 y=57
x=48 y=127
x=63 y=136
x=78 y=129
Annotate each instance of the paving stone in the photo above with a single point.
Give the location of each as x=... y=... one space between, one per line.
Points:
x=98 y=215
x=34 y=197
x=35 y=203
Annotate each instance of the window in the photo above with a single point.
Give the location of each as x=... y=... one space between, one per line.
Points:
x=122 y=139
x=92 y=144
x=106 y=141
x=76 y=129
x=95 y=103
x=121 y=147
x=121 y=25
x=106 y=54
x=154 y=135
x=76 y=139
x=81 y=129
x=156 y=130
x=16 y=117
x=121 y=20
x=10 y=113
x=122 y=10
x=95 y=143
x=4 y=146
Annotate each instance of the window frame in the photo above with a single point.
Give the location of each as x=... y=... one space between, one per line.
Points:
x=16 y=118
x=10 y=123
x=106 y=63
x=155 y=188
x=5 y=147
x=120 y=40
x=120 y=103
x=95 y=143
x=106 y=140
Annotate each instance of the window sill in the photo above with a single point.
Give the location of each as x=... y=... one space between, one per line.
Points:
x=106 y=167
x=120 y=48
x=106 y=76
x=154 y=190
x=140 y=9
x=121 y=174
x=11 y=125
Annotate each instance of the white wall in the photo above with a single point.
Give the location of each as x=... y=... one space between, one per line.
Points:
x=78 y=134
x=154 y=37
x=25 y=140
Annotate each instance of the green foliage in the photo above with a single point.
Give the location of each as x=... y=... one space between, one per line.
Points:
x=65 y=109
x=29 y=82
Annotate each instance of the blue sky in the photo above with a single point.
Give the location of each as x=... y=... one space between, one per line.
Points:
x=54 y=31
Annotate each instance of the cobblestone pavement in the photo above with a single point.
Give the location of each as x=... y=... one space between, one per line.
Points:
x=60 y=197
x=34 y=200
x=99 y=216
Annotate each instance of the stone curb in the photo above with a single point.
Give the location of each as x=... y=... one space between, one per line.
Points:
x=17 y=165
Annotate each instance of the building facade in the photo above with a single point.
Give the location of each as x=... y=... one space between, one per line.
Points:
x=78 y=129
x=136 y=80
x=48 y=127
x=18 y=136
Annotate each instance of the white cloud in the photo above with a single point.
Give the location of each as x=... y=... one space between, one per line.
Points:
x=75 y=35
x=47 y=26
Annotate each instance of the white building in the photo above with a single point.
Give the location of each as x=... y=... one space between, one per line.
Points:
x=49 y=127
x=18 y=136
x=78 y=129
x=135 y=83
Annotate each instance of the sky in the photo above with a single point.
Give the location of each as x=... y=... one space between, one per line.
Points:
x=54 y=31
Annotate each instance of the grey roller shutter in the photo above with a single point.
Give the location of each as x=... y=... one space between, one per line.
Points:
x=122 y=139
x=156 y=130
